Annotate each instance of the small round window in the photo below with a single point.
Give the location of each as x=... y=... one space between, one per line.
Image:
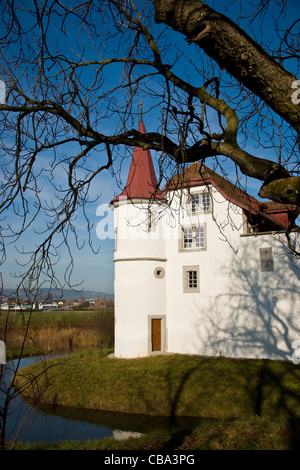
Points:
x=159 y=272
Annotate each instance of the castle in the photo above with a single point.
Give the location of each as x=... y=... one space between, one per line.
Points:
x=201 y=268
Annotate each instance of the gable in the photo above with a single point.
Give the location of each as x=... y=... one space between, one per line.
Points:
x=262 y=216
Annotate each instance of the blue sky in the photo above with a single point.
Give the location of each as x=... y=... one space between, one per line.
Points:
x=95 y=270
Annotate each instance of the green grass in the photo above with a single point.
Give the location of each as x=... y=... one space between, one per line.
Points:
x=174 y=385
x=249 y=404
x=240 y=434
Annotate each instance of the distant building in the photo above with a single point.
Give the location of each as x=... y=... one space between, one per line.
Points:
x=48 y=306
x=16 y=306
x=200 y=268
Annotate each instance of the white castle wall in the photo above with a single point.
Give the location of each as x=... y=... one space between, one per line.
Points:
x=239 y=311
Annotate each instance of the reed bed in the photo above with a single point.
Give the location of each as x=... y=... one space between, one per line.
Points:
x=60 y=331
x=53 y=338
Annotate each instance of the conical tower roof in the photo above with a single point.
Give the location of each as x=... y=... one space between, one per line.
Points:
x=141 y=181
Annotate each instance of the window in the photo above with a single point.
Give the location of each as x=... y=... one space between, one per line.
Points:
x=191 y=279
x=159 y=273
x=194 y=238
x=266 y=259
x=200 y=202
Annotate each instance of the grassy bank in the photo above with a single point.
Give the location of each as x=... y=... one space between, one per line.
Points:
x=253 y=403
x=240 y=434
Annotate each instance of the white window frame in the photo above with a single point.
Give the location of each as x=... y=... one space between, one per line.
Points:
x=191 y=279
x=193 y=238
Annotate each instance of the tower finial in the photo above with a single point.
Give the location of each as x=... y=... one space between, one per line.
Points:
x=141 y=111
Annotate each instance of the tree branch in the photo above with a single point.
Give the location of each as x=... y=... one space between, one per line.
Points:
x=233 y=50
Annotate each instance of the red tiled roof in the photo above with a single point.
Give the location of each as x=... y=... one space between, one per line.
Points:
x=141 y=181
x=199 y=174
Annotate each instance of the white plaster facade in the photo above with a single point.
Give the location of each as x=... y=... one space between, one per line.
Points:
x=224 y=291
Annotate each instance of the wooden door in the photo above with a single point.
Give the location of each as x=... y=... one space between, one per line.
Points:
x=156 y=334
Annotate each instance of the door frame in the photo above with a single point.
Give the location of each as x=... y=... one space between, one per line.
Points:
x=163 y=333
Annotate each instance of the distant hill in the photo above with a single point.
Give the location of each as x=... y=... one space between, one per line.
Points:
x=66 y=294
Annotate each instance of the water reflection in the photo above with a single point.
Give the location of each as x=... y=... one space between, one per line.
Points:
x=58 y=423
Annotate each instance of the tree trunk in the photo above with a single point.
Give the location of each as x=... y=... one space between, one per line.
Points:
x=233 y=50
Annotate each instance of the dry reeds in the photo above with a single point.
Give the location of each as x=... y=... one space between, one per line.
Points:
x=56 y=336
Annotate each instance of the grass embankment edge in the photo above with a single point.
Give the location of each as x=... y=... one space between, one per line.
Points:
x=255 y=403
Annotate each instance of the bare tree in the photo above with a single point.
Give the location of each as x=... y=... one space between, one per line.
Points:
x=74 y=77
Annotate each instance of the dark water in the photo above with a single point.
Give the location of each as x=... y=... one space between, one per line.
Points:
x=62 y=423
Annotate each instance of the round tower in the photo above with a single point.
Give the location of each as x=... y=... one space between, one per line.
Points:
x=140 y=264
